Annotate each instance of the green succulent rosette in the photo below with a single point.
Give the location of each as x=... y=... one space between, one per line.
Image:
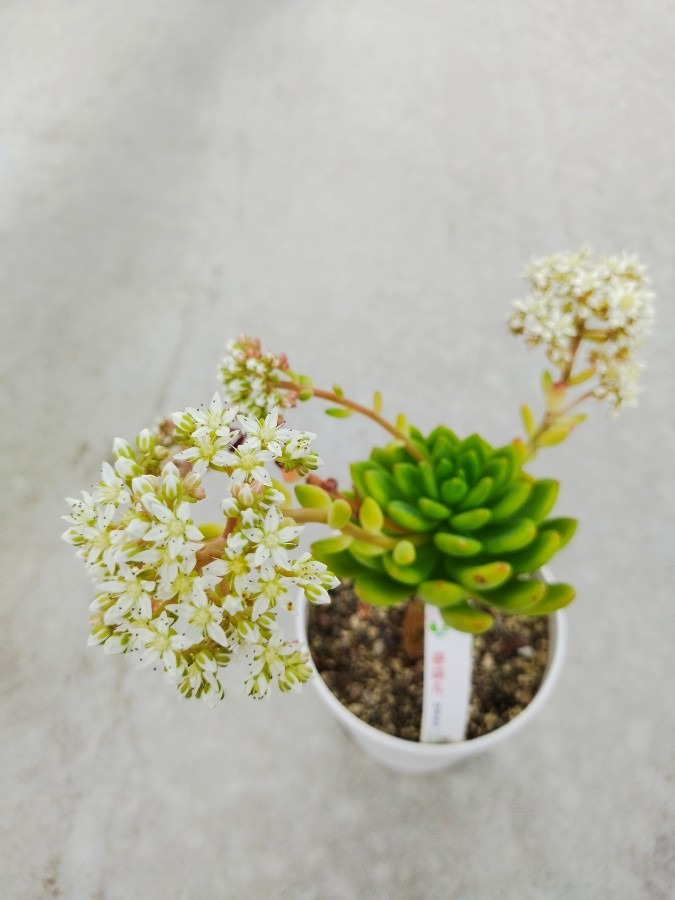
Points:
x=464 y=528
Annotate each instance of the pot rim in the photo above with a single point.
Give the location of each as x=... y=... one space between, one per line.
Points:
x=557 y=651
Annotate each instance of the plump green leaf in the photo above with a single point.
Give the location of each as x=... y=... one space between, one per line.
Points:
x=556 y=434
x=388 y=456
x=508 y=537
x=469 y=461
x=342 y=564
x=457 y=544
x=478 y=494
x=429 y=486
x=467 y=618
x=377 y=402
x=402 y=424
x=364 y=550
x=442 y=448
x=415 y=572
x=357 y=471
x=541 y=550
x=471 y=520
x=478 y=445
x=408 y=479
x=479 y=578
x=211 y=530
x=338 y=412
x=339 y=514
x=441 y=593
x=517 y=596
x=453 y=490
x=511 y=501
x=380 y=590
x=409 y=517
x=381 y=486
x=334 y=544
x=541 y=500
x=313 y=497
x=433 y=509
x=529 y=423
x=370 y=516
x=442 y=431
x=444 y=469
x=503 y=466
x=404 y=553
x=574 y=380
x=564 y=527
x=556 y=597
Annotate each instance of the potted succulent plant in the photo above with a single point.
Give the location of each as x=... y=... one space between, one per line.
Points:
x=439 y=541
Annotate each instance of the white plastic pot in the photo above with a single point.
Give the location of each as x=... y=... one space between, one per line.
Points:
x=416 y=758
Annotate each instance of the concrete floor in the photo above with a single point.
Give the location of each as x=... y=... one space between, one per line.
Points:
x=359 y=184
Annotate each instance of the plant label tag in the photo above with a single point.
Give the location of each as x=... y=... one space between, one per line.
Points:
x=448 y=664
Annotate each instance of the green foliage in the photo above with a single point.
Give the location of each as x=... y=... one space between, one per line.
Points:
x=465 y=528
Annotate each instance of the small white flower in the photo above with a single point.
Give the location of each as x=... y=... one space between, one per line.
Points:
x=174 y=526
x=203 y=616
x=266 y=433
x=247 y=463
x=159 y=643
x=132 y=593
x=271 y=540
x=206 y=449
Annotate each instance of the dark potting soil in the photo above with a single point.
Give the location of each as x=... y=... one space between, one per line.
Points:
x=359 y=651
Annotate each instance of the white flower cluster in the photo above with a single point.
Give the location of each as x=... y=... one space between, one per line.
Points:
x=191 y=599
x=251 y=378
x=603 y=301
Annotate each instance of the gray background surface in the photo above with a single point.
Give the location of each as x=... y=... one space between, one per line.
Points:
x=360 y=184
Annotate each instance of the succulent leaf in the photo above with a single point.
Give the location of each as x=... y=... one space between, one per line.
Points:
x=457 y=544
x=443 y=469
x=465 y=617
x=404 y=553
x=478 y=494
x=511 y=501
x=408 y=516
x=335 y=544
x=312 y=497
x=543 y=547
x=433 y=509
x=529 y=423
x=370 y=516
x=518 y=596
x=468 y=460
x=479 y=578
x=453 y=490
x=508 y=537
x=407 y=477
x=415 y=572
x=380 y=590
x=556 y=597
x=541 y=500
x=364 y=551
x=441 y=593
x=343 y=564
x=429 y=485
x=357 y=471
x=471 y=520
x=564 y=527
x=381 y=486
x=339 y=514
